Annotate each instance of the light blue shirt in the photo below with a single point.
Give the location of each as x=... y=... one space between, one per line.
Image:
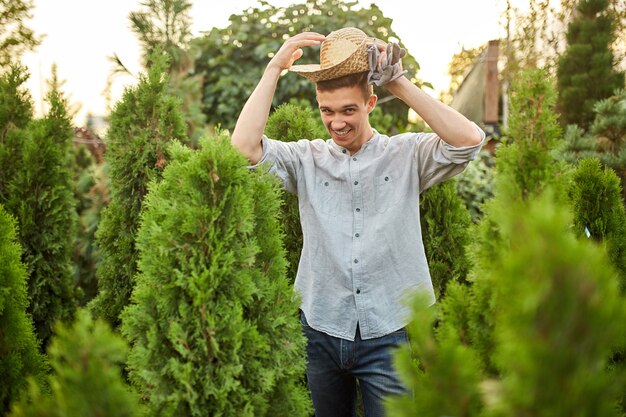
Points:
x=362 y=254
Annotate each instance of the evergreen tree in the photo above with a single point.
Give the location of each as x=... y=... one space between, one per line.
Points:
x=587 y=70
x=288 y=123
x=445 y=231
x=212 y=324
x=87 y=360
x=141 y=125
x=440 y=368
x=524 y=167
x=19 y=351
x=16 y=111
x=559 y=315
x=598 y=209
x=40 y=197
x=606 y=137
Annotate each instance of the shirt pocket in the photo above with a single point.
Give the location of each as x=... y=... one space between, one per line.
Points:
x=327 y=195
x=386 y=191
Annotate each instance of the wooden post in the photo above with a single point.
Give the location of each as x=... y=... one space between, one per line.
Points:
x=491 y=84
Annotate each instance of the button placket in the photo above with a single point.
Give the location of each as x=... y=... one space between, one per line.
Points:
x=357 y=226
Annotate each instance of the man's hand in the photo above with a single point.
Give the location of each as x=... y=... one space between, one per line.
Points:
x=291 y=50
x=385 y=62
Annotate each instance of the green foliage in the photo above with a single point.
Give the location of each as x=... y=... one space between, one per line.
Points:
x=92 y=195
x=288 y=123
x=142 y=124
x=440 y=369
x=165 y=25
x=213 y=325
x=445 y=231
x=526 y=164
x=559 y=314
x=40 y=197
x=234 y=58
x=16 y=111
x=475 y=184
x=606 y=139
x=19 y=351
x=524 y=167
x=87 y=360
x=15 y=37
x=598 y=209
x=587 y=70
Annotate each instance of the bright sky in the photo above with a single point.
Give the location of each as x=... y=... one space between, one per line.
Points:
x=81 y=34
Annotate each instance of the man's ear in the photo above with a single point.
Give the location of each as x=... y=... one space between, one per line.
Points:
x=371 y=102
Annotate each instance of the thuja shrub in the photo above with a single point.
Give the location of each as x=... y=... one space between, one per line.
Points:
x=41 y=198
x=525 y=166
x=19 y=350
x=212 y=322
x=86 y=380
x=557 y=315
x=445 y=231
x=439 y=367
x=289 y=123
x=595 y=195
x=142 y=124
x=16 y=111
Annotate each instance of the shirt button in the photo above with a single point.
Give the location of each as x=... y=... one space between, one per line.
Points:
x=356 y=183
x=356 y=261
x=354 y=159
x=326 y=183
x=344 y=151
x=358 y=209
x=356 y=235
x=358 y=291
x=386 y=178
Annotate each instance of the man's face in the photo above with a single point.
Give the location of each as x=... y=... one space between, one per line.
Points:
x=345 y=115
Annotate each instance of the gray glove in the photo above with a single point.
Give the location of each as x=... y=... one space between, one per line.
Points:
x=390 y=68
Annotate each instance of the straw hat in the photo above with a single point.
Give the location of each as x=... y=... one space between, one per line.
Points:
x=343 y=52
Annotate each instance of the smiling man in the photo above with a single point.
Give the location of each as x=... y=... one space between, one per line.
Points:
x=358 y=193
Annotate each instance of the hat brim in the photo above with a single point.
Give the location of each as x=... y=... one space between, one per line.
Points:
x=354 y=63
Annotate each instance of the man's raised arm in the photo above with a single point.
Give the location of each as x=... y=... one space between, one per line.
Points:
x=251 y=122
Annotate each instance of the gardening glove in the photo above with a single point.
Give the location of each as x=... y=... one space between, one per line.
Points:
x=389 y=68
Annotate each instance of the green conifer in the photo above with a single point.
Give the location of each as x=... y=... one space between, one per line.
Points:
x=40 y=196
x=587 y=70
x=440 y=368
x=445 y=231
x=16 y=111
x=559 y=315
x=289 y=123
x=19 y=351
x=598 y=210
x=142 y=124
x=212 y=324
x=87 y=360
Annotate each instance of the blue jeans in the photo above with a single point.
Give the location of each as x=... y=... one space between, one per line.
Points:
x=334 y=365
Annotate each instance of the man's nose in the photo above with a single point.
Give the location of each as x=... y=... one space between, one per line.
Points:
x=337 y=123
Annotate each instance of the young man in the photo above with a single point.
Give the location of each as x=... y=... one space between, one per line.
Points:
x=358 y=196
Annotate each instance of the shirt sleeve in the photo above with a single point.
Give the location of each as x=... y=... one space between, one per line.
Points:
x=283 y=161
x=438 y=161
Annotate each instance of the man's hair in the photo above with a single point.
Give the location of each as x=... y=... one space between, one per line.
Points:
x=351 y=80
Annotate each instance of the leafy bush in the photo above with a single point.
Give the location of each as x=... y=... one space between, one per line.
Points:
x=142 y=123
x=87 y=359
x=213 y=325
x=19 y=350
